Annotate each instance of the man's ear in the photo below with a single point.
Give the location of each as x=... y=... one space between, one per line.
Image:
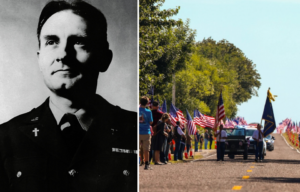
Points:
x=105 y=60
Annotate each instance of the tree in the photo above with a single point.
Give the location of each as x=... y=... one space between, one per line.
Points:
x=153 y=22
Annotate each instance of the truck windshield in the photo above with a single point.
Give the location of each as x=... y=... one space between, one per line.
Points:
x=238 y=132
x=249 y=132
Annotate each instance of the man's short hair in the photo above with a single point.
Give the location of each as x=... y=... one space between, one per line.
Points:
x=177 y=122
x=155 y=103
x=93 y=16
x=144 y=101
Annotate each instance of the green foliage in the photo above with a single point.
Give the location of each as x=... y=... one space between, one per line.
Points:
x=201 y=69
x=153 y=24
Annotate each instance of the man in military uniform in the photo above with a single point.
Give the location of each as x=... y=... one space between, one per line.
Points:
x=75 y=140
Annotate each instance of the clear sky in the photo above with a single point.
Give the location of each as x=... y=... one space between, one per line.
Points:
x=268 y=32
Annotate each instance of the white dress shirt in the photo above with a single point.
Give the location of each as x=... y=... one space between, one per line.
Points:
x=256 y=135
x=223 y=134
x=179 y=130
x=84 y=118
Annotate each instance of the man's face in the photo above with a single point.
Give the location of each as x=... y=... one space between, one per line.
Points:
x=258 y=127
x=65 y=58
x=206 y=130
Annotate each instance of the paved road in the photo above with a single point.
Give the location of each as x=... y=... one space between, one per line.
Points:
x=279 y=172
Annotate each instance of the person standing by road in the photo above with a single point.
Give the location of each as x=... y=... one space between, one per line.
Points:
x=159 y=137
x=197 y=139
x=178 y=138
x=221 y=135
x=188 y=142
x=211 y=139
x=169 y=140
x=258 y=137
x=145 y=133
x=206 y=137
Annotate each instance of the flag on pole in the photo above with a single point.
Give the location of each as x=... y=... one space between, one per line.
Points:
x=206 y=121
x=164 y=107
x=173 y=115
x=180 y=117
x=190 y=124
x=220 y=109
x=197 y=120
x=268 y=115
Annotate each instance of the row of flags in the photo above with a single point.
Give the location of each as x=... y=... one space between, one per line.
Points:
x=208 y=121
x=288 y=125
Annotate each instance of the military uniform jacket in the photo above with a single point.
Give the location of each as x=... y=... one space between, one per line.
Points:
x=106 y=159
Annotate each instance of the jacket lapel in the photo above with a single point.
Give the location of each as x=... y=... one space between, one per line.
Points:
x=42 y=129
x=98 y=138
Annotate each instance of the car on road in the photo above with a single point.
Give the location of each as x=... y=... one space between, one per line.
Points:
x=270 y=142
x=236 y=143
x=249 y=132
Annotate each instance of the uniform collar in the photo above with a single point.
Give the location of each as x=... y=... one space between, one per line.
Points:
x=84 y=115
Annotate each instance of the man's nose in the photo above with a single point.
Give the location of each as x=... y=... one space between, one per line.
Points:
x=65 y=51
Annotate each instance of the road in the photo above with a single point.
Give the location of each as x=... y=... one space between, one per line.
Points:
x=280 y=172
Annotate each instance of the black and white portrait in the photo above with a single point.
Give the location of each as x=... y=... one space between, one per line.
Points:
x=68 y=95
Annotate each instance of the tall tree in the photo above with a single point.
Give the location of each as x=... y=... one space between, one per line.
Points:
x=153 y=21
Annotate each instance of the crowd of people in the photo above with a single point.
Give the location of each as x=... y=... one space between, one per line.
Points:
x=157 y=136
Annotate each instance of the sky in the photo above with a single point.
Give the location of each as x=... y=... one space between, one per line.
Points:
x=21 y=83
x=268 y=33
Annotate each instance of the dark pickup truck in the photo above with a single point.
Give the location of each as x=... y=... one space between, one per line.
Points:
x=236 y=143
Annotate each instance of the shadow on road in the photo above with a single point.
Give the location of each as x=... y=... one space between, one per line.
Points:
x=278 y=161
x=274 y=179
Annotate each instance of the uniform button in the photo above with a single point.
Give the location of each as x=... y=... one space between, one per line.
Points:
x=19 y=174
x=72 y=172
x=126 y=173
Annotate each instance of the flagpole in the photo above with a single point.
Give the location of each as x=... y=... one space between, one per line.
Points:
x=265 y=105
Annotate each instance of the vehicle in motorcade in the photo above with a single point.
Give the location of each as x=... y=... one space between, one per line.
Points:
x=236 y=142
x=252 y=146
x=270 y=142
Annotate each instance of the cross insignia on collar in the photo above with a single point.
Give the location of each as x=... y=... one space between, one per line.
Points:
x=35 y=132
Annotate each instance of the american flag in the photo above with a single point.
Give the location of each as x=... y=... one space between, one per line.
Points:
x=190 y=124
x=180 y=117
x=164 y=107
x=173 y=115
x=197 y=118
x=220 y=109
x=207 y=121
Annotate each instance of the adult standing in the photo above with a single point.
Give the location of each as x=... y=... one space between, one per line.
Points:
x=179 y=134
x=146 y=120
x=258 y=137
x=206 y=137
x=188 y=142
x=156 y=114
x=211 y=139
x=159 y=137
x=197 y=140
x=182 y=145
x=201 y=141
x=221 y=136
x=169 y=139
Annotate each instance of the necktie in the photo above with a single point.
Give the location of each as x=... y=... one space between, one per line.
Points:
x=259 y=135
x=72 y=134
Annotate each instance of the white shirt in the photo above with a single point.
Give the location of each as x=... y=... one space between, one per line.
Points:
x=223 y=134
x=85 y=120
x=256 y=135
x=179 y=130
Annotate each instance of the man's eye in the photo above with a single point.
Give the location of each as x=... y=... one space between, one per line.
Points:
x=79 y=43
x=50 y=42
